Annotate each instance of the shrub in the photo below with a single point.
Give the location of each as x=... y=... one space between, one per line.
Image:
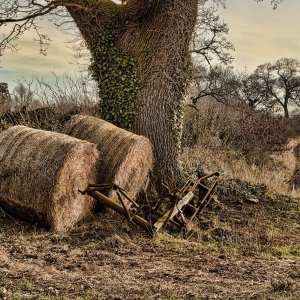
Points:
x=253 y=134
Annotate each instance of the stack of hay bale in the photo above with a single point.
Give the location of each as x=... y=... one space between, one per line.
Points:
x=126 y=158
x=41 y=172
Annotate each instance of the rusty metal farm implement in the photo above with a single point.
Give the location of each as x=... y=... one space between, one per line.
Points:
x=186 y=203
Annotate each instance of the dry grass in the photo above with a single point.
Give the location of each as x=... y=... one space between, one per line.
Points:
x=49 y=105
x=295 y=180
x=41 y=173
x=275 y=174
x=237 y=226
x=216 y=141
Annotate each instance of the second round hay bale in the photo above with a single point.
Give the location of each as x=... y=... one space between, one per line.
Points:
x=40 y=174
x=126 y=158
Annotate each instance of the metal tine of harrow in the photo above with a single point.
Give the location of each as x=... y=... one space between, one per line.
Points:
x=205 y=201
x=183 y=219
x=128 y=198
x=123 y=204
x=186 y=185
x=100 y=186
x=208 y=199
x=95 y=187
x=168 y=217
x=217 y=174
x=138 y=208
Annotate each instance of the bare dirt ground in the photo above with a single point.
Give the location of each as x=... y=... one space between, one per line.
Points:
x=238 y=254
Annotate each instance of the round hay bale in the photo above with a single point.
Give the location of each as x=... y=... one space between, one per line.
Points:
x=40 y=174
x=125 y=158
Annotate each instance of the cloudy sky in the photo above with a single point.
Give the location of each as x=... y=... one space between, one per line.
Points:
x=260 y=35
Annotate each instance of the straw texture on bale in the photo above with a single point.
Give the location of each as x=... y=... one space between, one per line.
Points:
x=125 y=158
x=41 y=173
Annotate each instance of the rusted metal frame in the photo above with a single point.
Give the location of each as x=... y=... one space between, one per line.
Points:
x=208 y=198
x=101 y=186
x=189 y=187
x=191 y=184
x=108 y=185
x=170 y=191
x=161 y=223
x=203 y=204
x=217 y=174
x=202 y=185
x=92 y=188
x=179 y=193
x=164 y=221
x=126 y=209
x=120 y=209
x=96 y=187
x=192 y=207
x=183 y=221
x=176 y=223
x=128 y=198
x=186 y=186
x=123 y=205
x=121 y=193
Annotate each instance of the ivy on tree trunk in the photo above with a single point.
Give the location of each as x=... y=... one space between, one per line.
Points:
x=140 y=58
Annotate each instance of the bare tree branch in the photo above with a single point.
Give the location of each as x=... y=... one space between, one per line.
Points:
x=209 y=40
x=19 y=16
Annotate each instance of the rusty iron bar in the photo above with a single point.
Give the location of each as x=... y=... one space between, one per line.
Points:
x=122 y=192
x=100 y=186
x=184 y=196
x=123 y=205
x=205 y=201
x=118 y=208
x=161 y=223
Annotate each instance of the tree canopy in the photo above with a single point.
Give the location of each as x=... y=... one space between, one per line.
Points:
x=274 y=85
x=18 y=16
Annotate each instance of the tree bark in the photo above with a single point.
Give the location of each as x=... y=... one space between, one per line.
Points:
x=286 y=111
x=156 y=35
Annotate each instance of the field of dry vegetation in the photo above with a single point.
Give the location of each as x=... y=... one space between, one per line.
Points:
x=246 y=245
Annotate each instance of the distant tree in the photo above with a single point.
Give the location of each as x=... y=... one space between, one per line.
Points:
x=276 y=84
x=252 y=90
x=5 y=99
x=218 y=82
x=23 y=97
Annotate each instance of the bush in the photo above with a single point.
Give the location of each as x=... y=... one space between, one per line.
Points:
x=253 y=134
x=48 y=105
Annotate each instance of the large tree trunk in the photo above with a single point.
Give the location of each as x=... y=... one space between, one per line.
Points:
x=156 y=34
